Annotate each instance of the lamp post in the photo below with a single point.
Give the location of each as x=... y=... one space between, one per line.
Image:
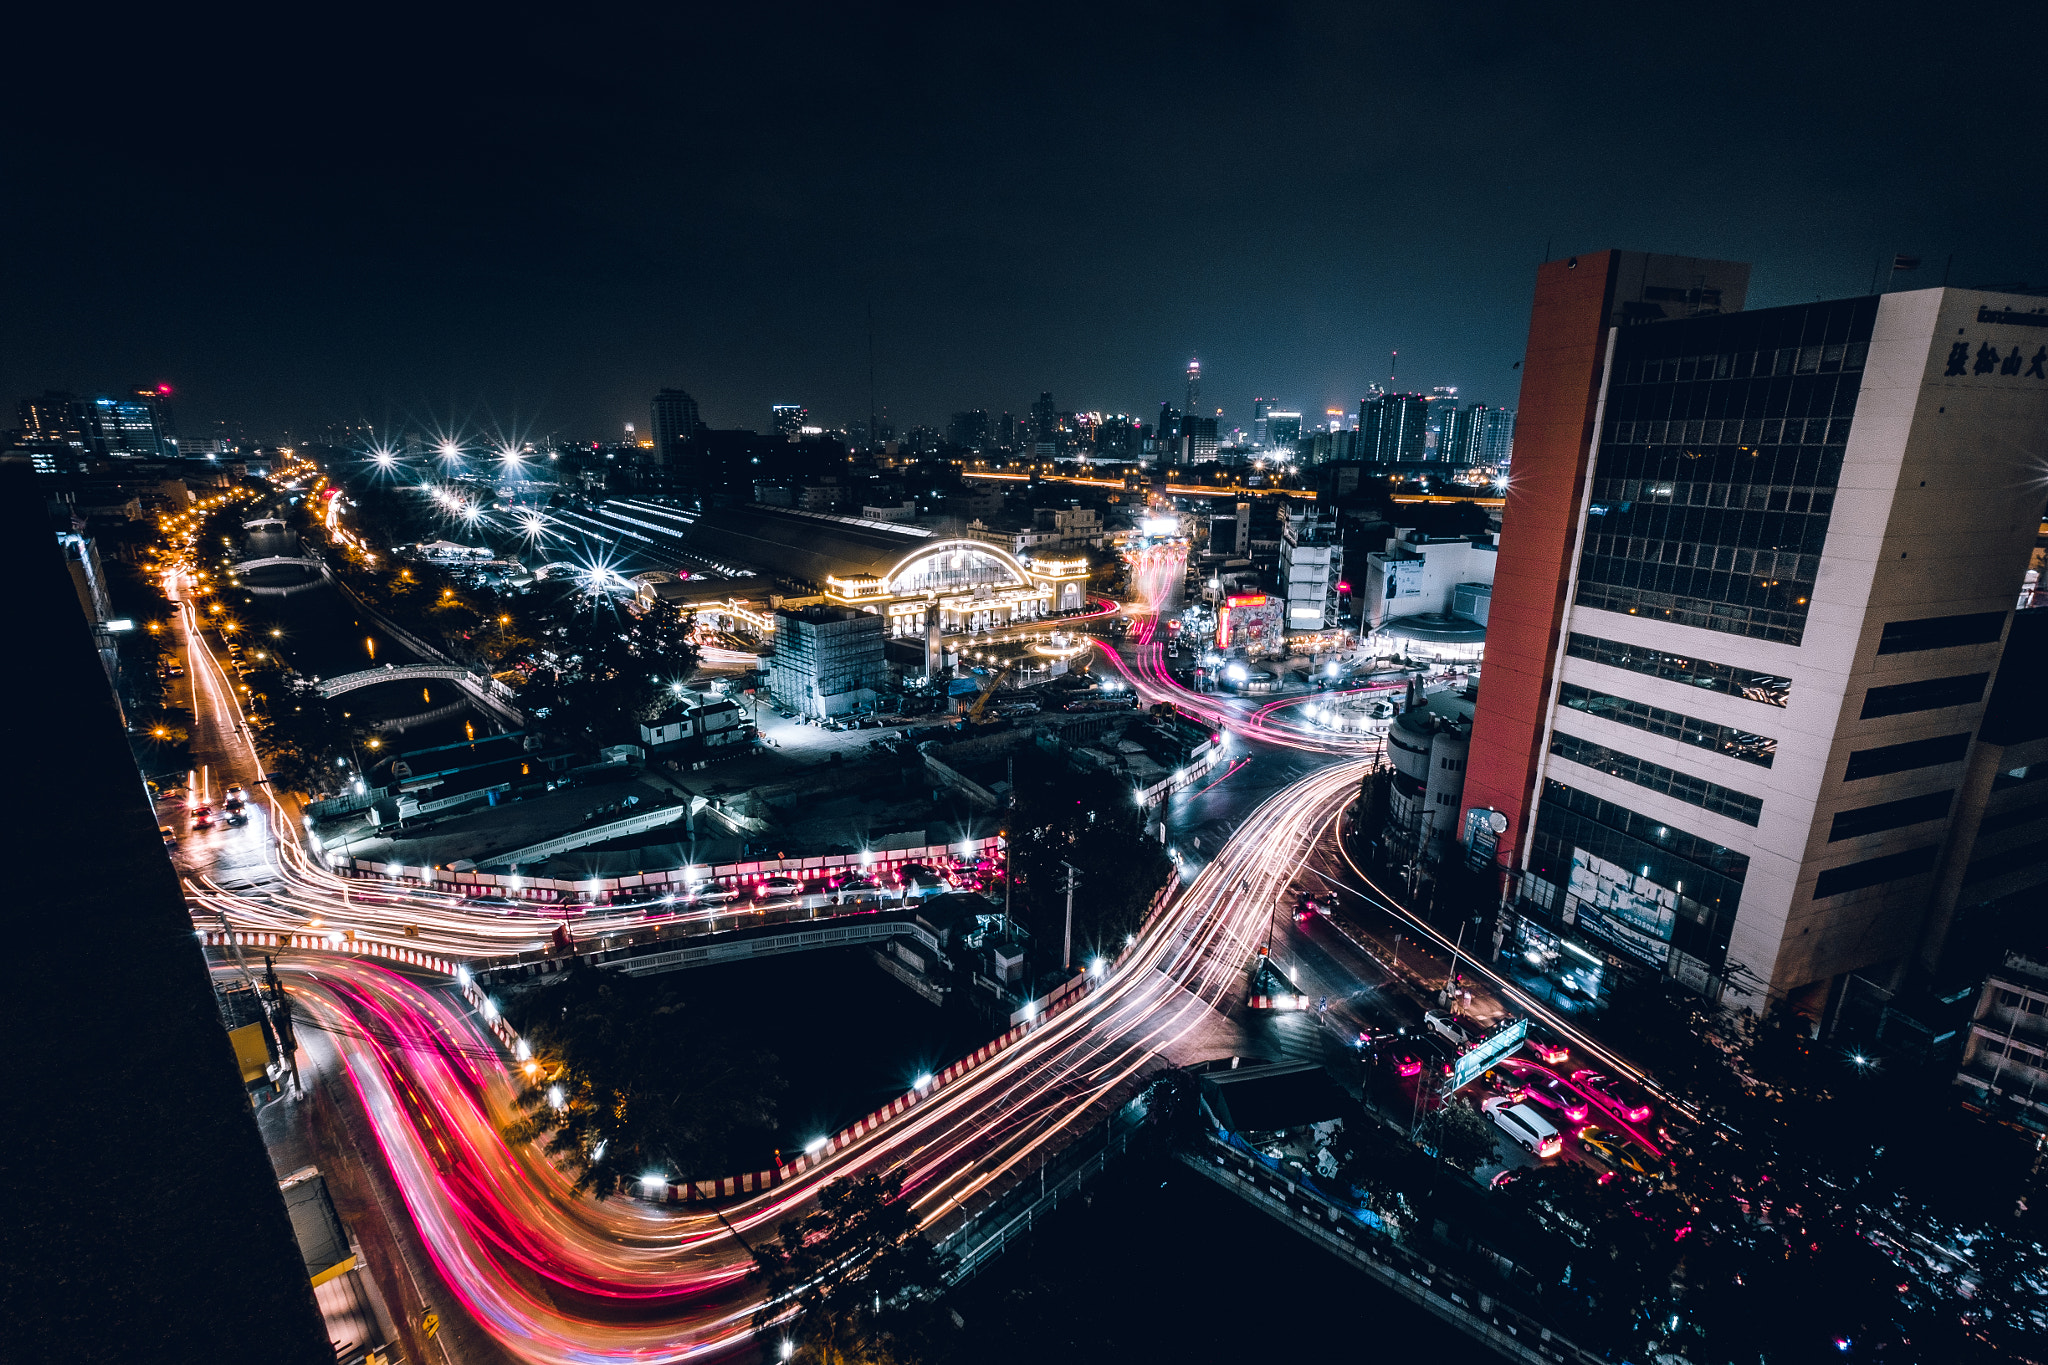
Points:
x=1067 y=950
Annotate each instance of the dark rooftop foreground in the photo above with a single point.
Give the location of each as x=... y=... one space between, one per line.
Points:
x=143 y=1221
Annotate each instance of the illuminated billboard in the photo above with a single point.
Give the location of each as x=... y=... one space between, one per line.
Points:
x=1625 y=908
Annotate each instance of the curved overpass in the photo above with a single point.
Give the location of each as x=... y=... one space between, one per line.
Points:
x=331 y=688
x=628 y=1281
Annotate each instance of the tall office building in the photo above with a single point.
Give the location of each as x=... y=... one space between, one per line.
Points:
x=969 y=429
x=1754 y=715
x=58 y=418
x=1489 y=435
x=1445 y=440
x=1194 y=386
x=1260 y=436
x=133 y=425
x=1197 y=440
x=788 y=419
x=1393 y=428
x=1283 y=429
x=675 y=422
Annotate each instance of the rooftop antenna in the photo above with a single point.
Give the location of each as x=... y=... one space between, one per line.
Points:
x=1393 y=365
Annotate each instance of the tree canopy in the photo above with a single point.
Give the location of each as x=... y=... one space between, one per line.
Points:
x=856 y=1276
x=629 y=1078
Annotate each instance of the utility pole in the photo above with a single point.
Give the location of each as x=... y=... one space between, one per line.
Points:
x=1067 y=954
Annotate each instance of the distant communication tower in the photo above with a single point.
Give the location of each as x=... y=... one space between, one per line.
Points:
x=1194 y=385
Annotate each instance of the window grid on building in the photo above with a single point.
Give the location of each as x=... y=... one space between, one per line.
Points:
x=1706 y=734
x=1695 y=791
x=1727 y=679
x=1716 y=472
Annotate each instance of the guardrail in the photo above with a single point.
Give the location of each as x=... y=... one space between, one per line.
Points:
x=348 y=945
x=1347 y=1231
x=989 y=1232
x=731 y=1186
x=555 y=889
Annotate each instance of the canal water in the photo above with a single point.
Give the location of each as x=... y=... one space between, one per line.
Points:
x=326 y=636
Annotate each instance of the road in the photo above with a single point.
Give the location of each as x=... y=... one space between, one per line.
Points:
x=550 y=1276
x=554 y=1277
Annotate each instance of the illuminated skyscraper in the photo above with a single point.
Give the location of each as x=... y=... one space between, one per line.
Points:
x=788 y=419
x=1446 y=440
x=1194 y=387
x=1491 y=434
x=1393 y=428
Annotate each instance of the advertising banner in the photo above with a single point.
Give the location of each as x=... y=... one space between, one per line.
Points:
x=1632 y=912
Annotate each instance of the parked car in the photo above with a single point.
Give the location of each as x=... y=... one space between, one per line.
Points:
x=1619 y=1097
x=1311 y=906
x=170 y=836
x=1450 y=1028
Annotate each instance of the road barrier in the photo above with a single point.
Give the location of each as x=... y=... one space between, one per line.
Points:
x=337 y=942
x=1355 y=1236
x=593 y=889
x=732 y=1186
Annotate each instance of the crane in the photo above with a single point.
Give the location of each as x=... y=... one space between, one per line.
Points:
x=971 y=714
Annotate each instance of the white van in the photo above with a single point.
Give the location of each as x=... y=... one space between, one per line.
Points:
x=1530 y=1130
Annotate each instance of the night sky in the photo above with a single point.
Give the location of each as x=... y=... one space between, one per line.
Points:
x=528 y=225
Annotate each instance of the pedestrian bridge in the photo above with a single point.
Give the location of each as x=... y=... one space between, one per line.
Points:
x=373 y=677
x=276 y=561
x=261 y=521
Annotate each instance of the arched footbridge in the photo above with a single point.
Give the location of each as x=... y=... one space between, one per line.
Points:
x=276 y=561
x=372 y=677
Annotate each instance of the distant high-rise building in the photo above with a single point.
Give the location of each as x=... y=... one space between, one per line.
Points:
x=969 y=429
x=788 y=419
x=1045 y=420
x=1446 y=440
x=1260 y=407
x=1197 y=440
x=1194 y=386
x=1283 y=429
x=1170 y=418
x=58 y=418
x=1393 y=428
x=135 y=425
x=1491 y=434
x=675 y=422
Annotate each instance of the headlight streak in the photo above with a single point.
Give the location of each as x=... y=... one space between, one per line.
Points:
x=630 y=1281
